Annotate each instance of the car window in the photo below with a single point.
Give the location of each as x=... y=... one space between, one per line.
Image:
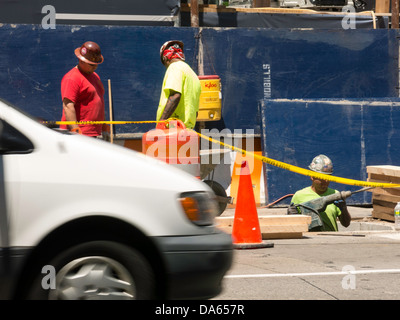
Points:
x=12 y=141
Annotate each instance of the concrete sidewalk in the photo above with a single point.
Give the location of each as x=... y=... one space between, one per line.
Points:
x=355 y=212
x=362 y=219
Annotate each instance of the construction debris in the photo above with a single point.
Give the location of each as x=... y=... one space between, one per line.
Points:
x=273 y=226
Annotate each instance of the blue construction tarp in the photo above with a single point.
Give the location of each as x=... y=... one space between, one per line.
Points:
x=353 y=133
x=253 y=64
x=293 y=72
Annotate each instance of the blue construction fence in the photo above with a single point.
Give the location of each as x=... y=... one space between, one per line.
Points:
x=353 y=133
x=289 y=70
x=253 y=64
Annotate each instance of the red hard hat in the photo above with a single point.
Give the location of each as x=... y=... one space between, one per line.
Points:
x=90 y=53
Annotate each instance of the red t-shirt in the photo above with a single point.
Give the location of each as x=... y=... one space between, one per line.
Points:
x=87 y=92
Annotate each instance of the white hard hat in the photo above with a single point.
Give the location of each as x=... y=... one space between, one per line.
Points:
x=321 y=164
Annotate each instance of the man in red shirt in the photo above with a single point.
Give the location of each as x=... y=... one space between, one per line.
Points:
x=82 y=91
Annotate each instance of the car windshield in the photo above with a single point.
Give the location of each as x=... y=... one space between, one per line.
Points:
x=44 y=122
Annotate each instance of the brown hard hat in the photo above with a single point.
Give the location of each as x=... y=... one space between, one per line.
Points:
x=90 y=53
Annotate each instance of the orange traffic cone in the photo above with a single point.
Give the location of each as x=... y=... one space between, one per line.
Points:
x=246 y=232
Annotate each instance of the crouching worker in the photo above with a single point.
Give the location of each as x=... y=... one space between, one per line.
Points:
x=320 y=188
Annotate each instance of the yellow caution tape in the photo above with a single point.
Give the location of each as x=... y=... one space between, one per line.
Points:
x=305 y=172
x=96 y=122
x=270 y=161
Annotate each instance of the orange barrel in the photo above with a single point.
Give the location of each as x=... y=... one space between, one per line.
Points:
x=210 y=98
x=173 y=143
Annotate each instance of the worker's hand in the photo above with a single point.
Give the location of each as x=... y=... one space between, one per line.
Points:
x=76 y=130
x=292 y=210
x=106 y=132
x=162 y=124
x=171 y=123
x=105 y=128
x=341 y=204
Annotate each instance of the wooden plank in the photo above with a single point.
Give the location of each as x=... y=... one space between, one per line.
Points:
x=383 y=178
x=271 y=235
x=386 y=174
x=274 y=226
x=281 y=235
x=215 y=8
x=382 y=216
x=377 y=174
x=387 y=191
x=388 y=211
x=382 y=6
x=385 y=197
x=379 y=212
x=273 y=220
x=281 y=220
x=385 y=170
x=384 y=203
x=284 y=228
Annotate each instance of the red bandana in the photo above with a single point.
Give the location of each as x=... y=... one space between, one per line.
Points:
x=174 y=52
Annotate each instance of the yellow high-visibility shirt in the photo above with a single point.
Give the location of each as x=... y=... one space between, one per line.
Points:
x=331 y=213
x=181 y=78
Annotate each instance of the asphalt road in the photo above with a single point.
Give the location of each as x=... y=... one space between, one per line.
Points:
x=347 y=265
x=365 y=266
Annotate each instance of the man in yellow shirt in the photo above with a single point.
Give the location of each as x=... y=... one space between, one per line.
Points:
x=320 y=188
x=180 y=93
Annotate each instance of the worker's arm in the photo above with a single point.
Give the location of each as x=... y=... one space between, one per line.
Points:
x=171 y=105
x=344 y=217
x=70 y=113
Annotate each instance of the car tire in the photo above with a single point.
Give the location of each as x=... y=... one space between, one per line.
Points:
x=98 y=270
x=219 y=191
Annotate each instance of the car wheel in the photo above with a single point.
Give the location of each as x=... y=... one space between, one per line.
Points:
x=220 y=193
x=99 y=270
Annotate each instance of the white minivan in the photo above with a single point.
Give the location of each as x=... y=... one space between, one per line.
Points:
x=81 y=218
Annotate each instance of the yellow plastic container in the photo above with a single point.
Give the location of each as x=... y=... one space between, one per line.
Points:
x=210 y=98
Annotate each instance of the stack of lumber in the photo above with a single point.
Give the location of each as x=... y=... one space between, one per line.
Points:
x=384 y=199
x=273 y=226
